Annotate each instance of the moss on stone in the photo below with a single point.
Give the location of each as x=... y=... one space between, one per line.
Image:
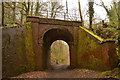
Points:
x=20 y=48
x=25 y=51
x=108 y=40
x=89 y=54
x=97 y=37
x=33 y=16
x=109 y=73
x=95 y=63
x=29 y=47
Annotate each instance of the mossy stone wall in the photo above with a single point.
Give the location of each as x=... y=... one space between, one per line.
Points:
x=17 y=50
x=93 y=54
x=18 y=55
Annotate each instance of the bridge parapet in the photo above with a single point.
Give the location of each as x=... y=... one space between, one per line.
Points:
x=53 y=21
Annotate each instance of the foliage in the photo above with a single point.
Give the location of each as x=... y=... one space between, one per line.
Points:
x=113 y=15
x=112 y=12
x=60 y=52
x=106 y=33
x=112 y=73
x=97 y=37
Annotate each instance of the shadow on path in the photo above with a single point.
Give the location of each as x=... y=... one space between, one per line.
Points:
x=60 y=71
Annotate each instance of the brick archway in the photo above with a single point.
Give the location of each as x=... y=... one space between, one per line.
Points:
x=46 y=31
x=56 y=34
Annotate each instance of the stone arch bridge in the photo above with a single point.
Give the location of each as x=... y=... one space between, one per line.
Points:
x=46 y=31
x=27 y=48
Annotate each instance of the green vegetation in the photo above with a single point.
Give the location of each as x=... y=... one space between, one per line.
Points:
x=92 y=53
x=97 y=37
x=25 y=52
x=29 y=47
x=60 y=53
x=91 y=47
x=84 y=48
x=111 y=73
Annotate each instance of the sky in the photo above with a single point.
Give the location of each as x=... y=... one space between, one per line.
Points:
x=99 y=11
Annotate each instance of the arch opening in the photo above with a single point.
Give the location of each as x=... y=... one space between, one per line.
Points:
x=50 y=37
x=59 y=56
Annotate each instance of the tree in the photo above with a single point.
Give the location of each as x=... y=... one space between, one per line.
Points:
x=40 y=7
x=91 y=13
x=28 y=9
x=16 y=12
x=119 y=32
x=31 y=9
x=37 y=9
x=80 y=13
x=22 y=12
x=55 y=8
x=2 y=13
x=24 y=9
x=25 y=6
x=112 y=12
x=74 y=15
x=12 y=5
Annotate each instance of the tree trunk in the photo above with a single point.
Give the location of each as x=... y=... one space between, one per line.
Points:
x=32 y=9
x=80 y=11
x=37 y=9
x=47 y=15
x=28 y=8
x=119 y=33
x=14 y=7
x=105 y=7
x=52 y=9
x=91 y=12
x=2 y=14
x=22 y=14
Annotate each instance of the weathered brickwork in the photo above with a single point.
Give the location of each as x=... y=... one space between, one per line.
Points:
x=17 y=51
x=95 y=53
x=46 y=31
x=27 y=48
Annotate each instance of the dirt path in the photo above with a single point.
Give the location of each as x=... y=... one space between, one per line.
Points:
x=60 y=71
x=75 y=73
